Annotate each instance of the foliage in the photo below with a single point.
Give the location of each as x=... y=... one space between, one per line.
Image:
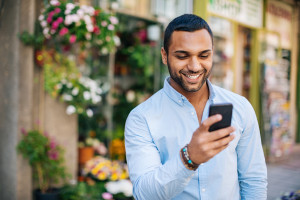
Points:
x=63 y=80
x=82 y=191
x=45 y=156
x=66 y=23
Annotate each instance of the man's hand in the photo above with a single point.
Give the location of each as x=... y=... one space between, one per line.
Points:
x=204 y=144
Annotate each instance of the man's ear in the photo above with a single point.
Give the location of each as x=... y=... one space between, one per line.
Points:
x=163 y=55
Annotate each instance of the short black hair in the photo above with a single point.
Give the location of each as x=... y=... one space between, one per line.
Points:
x=186 y=22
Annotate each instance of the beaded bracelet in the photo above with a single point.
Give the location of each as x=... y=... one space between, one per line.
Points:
x=186 y=159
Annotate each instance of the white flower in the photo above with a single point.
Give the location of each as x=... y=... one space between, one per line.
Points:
x=41 y=17
x=121 y=186
x=117 y=40
x=70 y=110
x=104 y=50
x=73 y=181
x=96 y=99
x=89 y=141
x=80 y=13
x=63 y=81
x=69 y=85
x=70 y=6
x=99 y=91
x=43 y=23
x=111 y=27
x=86 y=95
x=67 y=97
x=130 y=96
x=46 y=31
x=114 y=5
x=90 y=28
x=67 y=12
x=54 y=2
x=75 y=91
x=59 y=86
x=52 y=31
x=89 y=113
x=88 y=36
x=68 y=20
x=114 y=20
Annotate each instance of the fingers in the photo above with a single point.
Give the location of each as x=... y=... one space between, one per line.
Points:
x=218 y=134
x=224 y=142
x=210 y=121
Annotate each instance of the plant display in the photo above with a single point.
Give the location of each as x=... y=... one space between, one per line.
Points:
x=66 y=23
x=63 y=80
x=104 y=169
x=45 y=156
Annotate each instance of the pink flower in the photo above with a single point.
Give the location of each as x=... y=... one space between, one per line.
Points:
x=57 y=10
x=60 y=20
x=51 y=14
x=72 y=38
x=113 y=20
x=53 y=155
x=23 y=131
x=52 y=144
x=63 y=31
x=107 y=195
x=111 y=27
x=49 y=19
x=55 y=25
x=104 y=23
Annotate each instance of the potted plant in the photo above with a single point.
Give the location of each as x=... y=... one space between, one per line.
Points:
x=46 y=159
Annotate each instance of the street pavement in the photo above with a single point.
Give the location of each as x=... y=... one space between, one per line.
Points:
x=284 y=175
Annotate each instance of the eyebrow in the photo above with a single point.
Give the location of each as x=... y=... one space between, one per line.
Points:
x=186 y=52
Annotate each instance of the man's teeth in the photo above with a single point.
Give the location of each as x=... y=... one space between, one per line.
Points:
x=193 y=77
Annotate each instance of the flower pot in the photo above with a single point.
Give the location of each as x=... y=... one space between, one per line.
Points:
x=52 y=194
x=85 y=154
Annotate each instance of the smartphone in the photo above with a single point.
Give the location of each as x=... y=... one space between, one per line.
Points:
x=225 y=110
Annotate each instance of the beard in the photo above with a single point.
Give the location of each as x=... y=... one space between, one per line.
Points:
x=179 y=80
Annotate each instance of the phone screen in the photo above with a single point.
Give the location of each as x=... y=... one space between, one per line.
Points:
x=225 y=110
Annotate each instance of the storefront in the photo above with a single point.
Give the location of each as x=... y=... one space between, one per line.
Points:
x=246 y=32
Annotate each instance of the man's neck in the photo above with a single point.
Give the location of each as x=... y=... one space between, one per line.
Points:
x=195 y=98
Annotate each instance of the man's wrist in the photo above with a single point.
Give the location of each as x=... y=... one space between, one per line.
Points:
x=188 y=163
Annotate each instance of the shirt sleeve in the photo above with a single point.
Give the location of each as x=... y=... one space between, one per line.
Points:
x=151 y=180
x=252 y=170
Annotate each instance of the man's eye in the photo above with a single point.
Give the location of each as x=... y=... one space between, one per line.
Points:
x=181 y=57
x=204 y=56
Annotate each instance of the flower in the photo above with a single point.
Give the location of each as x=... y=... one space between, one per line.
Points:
x=103 y=169
x=69 y=23
x=41 y=151
x=107 y=195
x=72 y=39
x=121 y=186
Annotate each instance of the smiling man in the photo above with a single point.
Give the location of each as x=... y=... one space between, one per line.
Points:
x=170 y=152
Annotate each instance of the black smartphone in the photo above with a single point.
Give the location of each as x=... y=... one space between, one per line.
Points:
x=225 y=110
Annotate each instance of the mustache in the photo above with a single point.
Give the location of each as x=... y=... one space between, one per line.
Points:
x=189 y=72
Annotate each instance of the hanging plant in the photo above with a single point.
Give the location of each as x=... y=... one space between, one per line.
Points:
x=64 y=24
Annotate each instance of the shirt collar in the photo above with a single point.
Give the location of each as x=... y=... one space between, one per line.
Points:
x=179 y=98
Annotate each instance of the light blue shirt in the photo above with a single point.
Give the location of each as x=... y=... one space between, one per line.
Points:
x=157 y=129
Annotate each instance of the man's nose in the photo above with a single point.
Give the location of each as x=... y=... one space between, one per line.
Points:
x=194 y=64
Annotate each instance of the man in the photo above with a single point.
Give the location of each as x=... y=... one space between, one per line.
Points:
x=170 y=152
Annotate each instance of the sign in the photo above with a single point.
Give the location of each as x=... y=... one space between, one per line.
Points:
x=248 y=12
x=279 y=19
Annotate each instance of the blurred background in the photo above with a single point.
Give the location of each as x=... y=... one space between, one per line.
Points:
x=71 y=71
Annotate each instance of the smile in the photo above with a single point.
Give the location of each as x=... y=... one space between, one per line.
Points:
x=193 y=76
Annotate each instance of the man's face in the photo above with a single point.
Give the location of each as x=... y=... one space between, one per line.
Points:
x=189 y=59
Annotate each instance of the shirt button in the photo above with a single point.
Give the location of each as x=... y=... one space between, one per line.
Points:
x=203 y=190
x=179 y=101
x=192 y=113
x=202 y=164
